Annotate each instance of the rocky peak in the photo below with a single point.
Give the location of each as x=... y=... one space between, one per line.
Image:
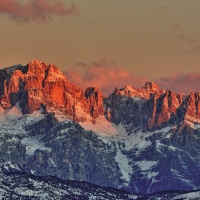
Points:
x=35 y=66
x=92 y=91
x=151 y=87
x=39 y=84
x=158 y=108
x=193 y=107
x=144 y=93
x=50 y=71
x=128 y=91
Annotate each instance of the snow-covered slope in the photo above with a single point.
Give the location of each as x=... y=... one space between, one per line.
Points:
x=141 y=140
x=141 y=162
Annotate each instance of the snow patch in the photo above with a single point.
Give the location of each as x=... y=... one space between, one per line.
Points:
x=81 y=113
x=152 y=175
x=14 y=112
x=32 y=144
x=188 y=196
x=120 y=129
x=9 y=165
x=146 y=165
x=138 y=140
x=101 y=126
x=34 y=117
x=123 y=164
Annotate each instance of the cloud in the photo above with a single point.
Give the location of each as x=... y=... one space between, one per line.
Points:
x=37 y=11
x=104 y=74
x=184 y=82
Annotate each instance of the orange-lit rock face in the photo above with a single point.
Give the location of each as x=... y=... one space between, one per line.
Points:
x=193 y=105
x=151 y=87
x=169 y=106
x=158 y=106
x=40 y=84
x=144 y=93
x=57 y=95
x=94 y=101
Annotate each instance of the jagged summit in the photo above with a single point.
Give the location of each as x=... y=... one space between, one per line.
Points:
x=150 y=108
x=143 y=93
x=39 y=84
x=91 y=90
x=39 y=67
x=151 y=87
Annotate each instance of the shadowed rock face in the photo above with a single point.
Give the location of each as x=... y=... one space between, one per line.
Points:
x=40 y=84
x=54 y=188
x=143 y=162
x=150 y=108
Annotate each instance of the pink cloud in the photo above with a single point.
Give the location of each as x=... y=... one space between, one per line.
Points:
x=182 y=82
x=104 y=74
x=36 y=10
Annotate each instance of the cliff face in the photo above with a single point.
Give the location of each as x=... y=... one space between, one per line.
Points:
x=39 y=84
x=94 y=100
x=150 y=108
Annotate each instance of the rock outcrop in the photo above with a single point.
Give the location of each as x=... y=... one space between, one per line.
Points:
x=39 y=84
x=94 y=99
x=150 y=108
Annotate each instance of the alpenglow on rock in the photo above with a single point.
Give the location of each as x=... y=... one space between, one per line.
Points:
x=141 y=140
x=150 y=108
x=39 y=84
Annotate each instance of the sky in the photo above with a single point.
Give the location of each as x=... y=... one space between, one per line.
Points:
x=108 y=43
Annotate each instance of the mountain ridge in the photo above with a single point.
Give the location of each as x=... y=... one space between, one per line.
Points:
x=140 y=140
x=38 y=84
x=27 y=186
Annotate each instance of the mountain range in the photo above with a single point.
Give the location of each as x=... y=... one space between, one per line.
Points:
x=138 y=140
